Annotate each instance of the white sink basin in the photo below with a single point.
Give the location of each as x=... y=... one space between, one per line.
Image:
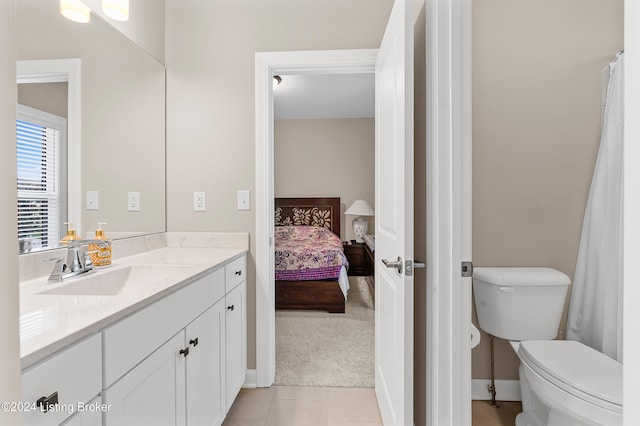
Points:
x=110 y=282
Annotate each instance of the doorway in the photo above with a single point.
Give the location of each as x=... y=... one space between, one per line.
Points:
x=324 y=134
x=448 y=139
x=267 y=65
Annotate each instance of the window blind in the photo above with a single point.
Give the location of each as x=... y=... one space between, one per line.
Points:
x=39 y=137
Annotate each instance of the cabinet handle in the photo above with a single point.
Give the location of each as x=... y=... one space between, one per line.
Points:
x=184 y=352
x=238 y=273
x=194 y=342
x=47 y=402
x=231 y=308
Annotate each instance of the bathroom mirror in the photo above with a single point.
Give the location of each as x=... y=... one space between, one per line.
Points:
x=122 y=118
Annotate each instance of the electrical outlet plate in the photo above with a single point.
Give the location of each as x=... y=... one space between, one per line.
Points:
x=92 y=200
x=244 y=200
x=199 y=202
x=133 y=202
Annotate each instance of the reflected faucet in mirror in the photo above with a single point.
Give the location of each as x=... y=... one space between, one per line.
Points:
x=77 y=262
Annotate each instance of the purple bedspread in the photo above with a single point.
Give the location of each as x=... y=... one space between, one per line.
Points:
x=307 y=253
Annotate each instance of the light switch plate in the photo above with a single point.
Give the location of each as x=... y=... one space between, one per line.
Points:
x=92 y=200
x=133 y=203
x=244 y=200
x=199 y=202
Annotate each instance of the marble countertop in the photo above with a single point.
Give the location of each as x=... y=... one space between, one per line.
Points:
x=49 y=322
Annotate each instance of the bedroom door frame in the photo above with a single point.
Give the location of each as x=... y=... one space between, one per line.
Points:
x=268 y=64
x=448 y=162
x=449 y=209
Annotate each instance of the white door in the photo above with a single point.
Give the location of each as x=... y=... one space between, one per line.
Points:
x=394 y=218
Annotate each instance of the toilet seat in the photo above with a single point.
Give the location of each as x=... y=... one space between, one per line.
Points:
x=577 y=369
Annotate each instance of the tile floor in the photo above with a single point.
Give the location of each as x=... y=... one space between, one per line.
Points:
x=483 y=414
x=311 y=406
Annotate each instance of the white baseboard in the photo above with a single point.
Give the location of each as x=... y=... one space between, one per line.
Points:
x=250 y=379
x=506 y=390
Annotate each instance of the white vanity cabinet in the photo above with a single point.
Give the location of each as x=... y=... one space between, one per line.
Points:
x=178 y=361
x=153 y=392
x=70 y=377
x=205 y=369
x=88 y=417
x=236 y=329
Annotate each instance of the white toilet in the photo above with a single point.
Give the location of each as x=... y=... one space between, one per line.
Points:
x=563 y=383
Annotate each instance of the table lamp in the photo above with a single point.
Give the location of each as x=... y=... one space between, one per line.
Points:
x=360 y=226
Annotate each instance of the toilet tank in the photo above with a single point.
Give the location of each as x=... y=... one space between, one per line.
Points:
x=520 y=303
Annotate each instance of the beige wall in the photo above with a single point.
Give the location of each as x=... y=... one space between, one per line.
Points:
x=536 y=127
x=47 y=97
x=9 y=306
x=145 y=26
x=210 y=49
x=327 y=158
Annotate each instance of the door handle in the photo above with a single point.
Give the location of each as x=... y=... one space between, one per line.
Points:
x=396 y=264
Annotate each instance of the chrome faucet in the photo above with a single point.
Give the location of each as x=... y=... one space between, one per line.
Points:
x=77 y=263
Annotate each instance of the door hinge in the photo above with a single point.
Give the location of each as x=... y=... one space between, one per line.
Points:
x=467 y=269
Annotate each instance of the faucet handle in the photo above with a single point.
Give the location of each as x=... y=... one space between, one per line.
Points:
x=88 y=262
x=58 y=269
x=59 y=263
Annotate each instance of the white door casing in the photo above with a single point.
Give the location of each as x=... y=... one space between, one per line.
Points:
x=69 y=71
x=448 y=191
x=448 y=236
x=394 y=218
x=268 y=64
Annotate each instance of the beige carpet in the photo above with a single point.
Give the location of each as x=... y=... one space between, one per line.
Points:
x=316 y=348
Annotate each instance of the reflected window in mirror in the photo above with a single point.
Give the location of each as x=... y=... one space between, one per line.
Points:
x=47 y=140
x=41 y=167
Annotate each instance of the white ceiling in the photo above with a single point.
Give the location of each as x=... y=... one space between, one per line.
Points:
x=324 y=96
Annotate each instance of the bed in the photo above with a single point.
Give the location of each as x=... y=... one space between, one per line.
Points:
x=310 y=265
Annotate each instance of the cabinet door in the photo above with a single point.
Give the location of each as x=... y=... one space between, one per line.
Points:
x=153 y=392
x=236 y=341
x=53 y=376
x=205 y=368
x=88 y=417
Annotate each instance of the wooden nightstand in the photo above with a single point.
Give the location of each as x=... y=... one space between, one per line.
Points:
x=355 y=256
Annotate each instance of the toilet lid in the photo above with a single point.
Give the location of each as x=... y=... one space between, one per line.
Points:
x=576 y=368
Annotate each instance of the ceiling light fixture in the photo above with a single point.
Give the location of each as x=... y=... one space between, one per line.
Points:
x=75 y=10
x=116 y=9
x=276 y=81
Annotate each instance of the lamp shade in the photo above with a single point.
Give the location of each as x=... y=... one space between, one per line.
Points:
x=360 y=208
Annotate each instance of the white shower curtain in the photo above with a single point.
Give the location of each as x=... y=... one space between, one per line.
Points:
x=595 y=311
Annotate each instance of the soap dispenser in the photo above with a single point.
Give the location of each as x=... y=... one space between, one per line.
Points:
x=100 y=255
x=71 y=234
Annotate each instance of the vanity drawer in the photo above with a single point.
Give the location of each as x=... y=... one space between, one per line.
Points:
x=75 y=374
x=236 y=272
x=131 y=340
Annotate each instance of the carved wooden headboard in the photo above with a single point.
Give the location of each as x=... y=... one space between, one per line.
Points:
x=322 y=212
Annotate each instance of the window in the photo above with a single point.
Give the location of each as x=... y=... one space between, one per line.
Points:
x=41 y=146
